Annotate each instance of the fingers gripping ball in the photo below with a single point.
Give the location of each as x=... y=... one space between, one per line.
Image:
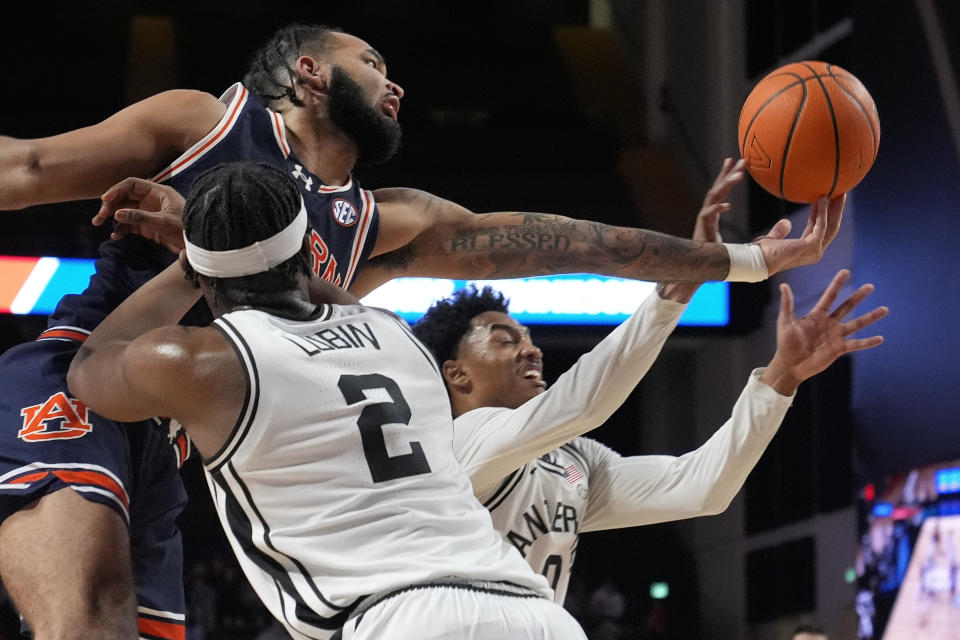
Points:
x=808 y=130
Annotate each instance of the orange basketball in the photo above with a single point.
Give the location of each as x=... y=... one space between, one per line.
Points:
x=808 y=130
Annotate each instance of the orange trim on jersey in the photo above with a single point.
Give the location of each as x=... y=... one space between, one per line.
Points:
x=226 y=127
x=15 y=273
x=361 y=235
x=30 y=477
x=278 y=129
x=344 y=187
x=94 y=478
x=182 y=447
x=63 y=333
x=168 y=630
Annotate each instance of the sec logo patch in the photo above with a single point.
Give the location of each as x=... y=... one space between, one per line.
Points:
x=343 y=212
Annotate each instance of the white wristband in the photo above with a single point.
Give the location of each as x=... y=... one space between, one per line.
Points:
x=746 y=263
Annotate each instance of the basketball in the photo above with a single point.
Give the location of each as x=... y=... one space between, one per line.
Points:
x=808 y=130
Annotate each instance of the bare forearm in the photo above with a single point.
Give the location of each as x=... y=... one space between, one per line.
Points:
x=19 y=166
x=516 y=244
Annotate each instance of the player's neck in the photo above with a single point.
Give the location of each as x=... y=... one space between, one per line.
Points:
x=263 y=293
x=324 y=150
x=282 y=304
x=459 y=404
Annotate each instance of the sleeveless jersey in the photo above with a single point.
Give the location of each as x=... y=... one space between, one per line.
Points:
x=339 y=479
x=343 y=219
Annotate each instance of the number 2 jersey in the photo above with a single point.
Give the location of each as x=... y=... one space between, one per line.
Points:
x=343 y=219
x=339 y=479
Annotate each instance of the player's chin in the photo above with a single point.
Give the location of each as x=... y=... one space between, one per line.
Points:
x=533 y=388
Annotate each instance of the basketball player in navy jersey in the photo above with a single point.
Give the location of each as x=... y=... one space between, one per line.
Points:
x=315 y=103
x=544 y=486
x=324 y=431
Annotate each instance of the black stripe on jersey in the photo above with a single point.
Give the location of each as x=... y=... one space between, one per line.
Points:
x=576 y=453
x=546 y=463
x=504 y=491
x=416 y=342
x=251 y=400
x=242 y=528
x=550 y=467
x=503 y=485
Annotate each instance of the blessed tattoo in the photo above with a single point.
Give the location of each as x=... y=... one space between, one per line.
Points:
x=510 y=237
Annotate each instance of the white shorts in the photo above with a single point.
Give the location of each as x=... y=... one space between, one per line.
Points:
x=445 y=612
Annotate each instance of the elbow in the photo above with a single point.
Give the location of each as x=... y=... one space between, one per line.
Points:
x=75 y=374
x=715 y=505
x=20 y=171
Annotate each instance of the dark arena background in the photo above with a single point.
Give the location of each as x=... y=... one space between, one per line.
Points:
x=622 y=111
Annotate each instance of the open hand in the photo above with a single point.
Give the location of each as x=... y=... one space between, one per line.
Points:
x=782 y=253
x=145 y=208
x=808 y=345
x=707 y=226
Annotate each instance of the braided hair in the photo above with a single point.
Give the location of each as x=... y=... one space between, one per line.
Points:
x=445 y=323
x=272 y=75
x=234 y=205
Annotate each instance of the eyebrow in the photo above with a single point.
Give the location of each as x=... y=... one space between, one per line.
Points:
x=522 y=331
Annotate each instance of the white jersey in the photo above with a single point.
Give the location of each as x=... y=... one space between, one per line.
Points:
x=542 y=506
x=339 y=479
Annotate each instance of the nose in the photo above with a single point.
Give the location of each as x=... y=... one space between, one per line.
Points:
x=530 y=350
x=395 y=89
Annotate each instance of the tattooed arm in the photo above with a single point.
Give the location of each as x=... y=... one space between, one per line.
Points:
x=422 y=235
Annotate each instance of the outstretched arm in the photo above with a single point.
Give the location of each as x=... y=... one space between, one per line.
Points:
x=138 y=140
x=640 y=490
x=707 y=226
x=492 y=442
x=422 y=235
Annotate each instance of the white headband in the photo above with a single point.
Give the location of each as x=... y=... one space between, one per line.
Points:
x=255 y=258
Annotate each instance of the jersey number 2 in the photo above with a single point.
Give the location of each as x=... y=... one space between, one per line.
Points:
x=382 y=465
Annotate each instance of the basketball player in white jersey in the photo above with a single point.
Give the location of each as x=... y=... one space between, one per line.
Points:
x=544 y=492
x=325 y=432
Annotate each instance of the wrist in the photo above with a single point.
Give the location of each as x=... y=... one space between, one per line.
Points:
x=747 y=263
x=780 y=378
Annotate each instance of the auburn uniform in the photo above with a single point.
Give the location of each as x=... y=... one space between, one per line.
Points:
x=544 y=486
x=341 y=496
x=49 y=440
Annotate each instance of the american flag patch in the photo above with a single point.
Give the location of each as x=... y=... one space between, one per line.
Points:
x=572 y=474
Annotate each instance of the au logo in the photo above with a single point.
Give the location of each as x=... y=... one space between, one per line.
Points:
x=59 y=418
x=344 y=212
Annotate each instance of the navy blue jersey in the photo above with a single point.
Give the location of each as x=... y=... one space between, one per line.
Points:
x=343 y=219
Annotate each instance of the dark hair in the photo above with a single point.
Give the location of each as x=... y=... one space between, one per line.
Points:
x=448 y=320
x=234 y=205
x=271 y=74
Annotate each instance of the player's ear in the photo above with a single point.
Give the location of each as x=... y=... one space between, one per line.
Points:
x=313 y=74
x=456 y=377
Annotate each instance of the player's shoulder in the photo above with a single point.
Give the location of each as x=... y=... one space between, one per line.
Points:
x=182 y=99
x=391 y=195
x=588 y=451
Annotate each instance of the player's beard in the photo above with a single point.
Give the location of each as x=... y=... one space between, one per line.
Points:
x=376 y=135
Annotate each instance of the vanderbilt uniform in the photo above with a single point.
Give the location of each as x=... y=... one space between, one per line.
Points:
x=342 y=499
x=567 y=485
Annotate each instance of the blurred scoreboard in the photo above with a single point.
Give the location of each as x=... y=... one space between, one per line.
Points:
x=30 y=285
